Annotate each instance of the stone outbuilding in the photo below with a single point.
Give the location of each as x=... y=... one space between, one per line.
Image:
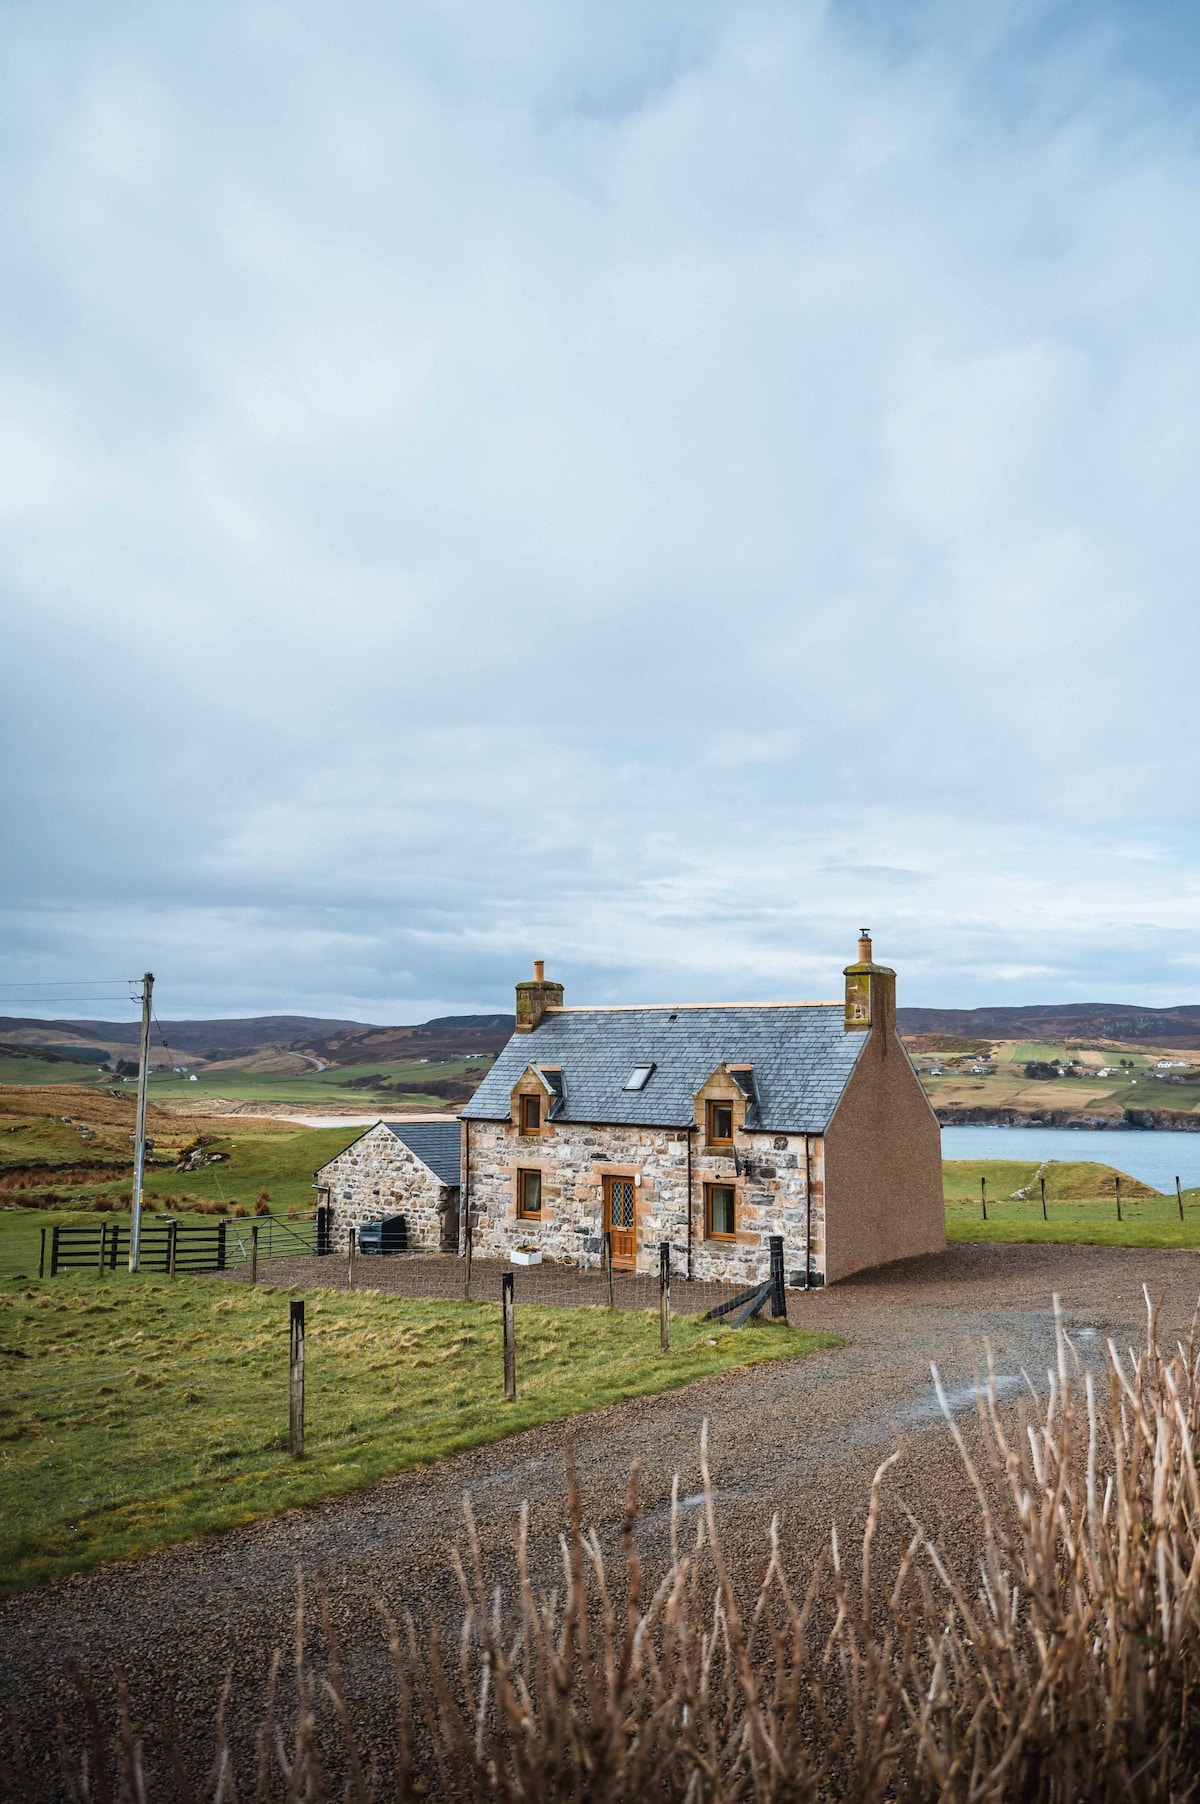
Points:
x=712 y=1127
x=408 y=1168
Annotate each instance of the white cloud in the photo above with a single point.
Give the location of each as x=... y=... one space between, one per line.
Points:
x=623 y=486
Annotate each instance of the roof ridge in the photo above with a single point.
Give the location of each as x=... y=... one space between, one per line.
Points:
x=612 y=1008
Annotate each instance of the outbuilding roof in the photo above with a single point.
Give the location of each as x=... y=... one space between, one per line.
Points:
x=800 y=1054
x=437 y=1144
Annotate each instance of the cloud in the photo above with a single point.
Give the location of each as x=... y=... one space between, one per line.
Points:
x=651 y=488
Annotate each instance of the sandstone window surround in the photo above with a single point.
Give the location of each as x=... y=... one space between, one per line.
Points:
x=720 y=1123
x=529 y=1194
x=720 y=1212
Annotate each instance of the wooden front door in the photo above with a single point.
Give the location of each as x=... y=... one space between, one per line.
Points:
x=620 y=1219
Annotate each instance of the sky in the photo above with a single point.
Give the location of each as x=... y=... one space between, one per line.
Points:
x=653 y=486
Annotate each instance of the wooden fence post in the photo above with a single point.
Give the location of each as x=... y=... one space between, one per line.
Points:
x=664 y=1296
x=779 y=1293
x=172 y=1246
x=296 y=1378
x=103 y=1248
x=42 y=1253
x=510 y=1339
x=1178 y=1195
x=983 y=1195
x=54 y=1233
x=254 y=1254
x=1045 y=1217
x=608 y=1265
x=1118 y=1184
x=220 y=1246
x=350 y=1246
x=469 y=1247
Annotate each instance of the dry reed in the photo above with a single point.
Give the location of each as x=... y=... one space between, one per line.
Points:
x=1064 y=1667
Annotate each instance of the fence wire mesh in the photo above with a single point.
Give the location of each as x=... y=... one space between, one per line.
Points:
x=445 y=1277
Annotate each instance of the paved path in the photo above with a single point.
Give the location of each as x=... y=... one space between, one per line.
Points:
x=800 y=1438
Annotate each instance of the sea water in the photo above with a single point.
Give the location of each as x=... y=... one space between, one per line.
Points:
x=1155 y=1158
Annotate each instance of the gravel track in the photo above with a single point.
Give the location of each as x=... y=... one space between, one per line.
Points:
x=797 y=1438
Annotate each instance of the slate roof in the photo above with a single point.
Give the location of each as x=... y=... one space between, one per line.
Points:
x=801 y=1054
x=437 y=1143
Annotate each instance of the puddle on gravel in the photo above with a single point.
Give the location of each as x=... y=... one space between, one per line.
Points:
x=959 y=1398
x=1087 y=1339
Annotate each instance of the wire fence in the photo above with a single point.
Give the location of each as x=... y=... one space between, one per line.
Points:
x=449 y=1277
x=168 y=1245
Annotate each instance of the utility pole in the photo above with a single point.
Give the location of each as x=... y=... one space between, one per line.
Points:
x=139 y=1151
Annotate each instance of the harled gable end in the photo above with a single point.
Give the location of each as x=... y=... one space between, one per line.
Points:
x=708 y=1126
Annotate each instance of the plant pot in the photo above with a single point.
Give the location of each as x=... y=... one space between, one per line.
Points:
x=531 y=1258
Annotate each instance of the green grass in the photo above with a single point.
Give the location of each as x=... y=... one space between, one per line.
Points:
x=1080 y=1204
x=280 y=1159
x=148 y=1412
x=21 y=1070
x=1147 y=1223
x=319 y=1088
x=316 y=1088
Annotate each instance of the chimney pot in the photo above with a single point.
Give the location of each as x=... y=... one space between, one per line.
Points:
x=864 y=946
x=539 y=970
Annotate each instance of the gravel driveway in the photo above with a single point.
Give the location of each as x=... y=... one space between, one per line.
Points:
x=800 y=1438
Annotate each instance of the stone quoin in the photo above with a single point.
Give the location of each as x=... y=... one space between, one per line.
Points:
x=712 y=1127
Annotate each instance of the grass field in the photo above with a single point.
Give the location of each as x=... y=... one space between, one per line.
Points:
x=1080 y=1203
x=137 y=1411
x=21 y=1070
x=342 y=1086
x=345 y=1085
x=86 y=1160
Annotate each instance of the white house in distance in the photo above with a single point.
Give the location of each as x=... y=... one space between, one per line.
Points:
x=711 y=1126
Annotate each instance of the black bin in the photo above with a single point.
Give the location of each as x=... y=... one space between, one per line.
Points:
x=389 y=1236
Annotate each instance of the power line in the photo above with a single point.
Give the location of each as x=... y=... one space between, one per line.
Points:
x=72 y=983
x=56 y=999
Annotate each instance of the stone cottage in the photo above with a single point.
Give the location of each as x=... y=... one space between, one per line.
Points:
x=711 y=1127
x=408 y=1168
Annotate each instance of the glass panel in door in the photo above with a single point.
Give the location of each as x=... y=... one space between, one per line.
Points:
x=620 y=1219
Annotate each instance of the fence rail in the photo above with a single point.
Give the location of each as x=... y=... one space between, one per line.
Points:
x=169 y=1245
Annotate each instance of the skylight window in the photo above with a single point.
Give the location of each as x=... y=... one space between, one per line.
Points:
x=639 y=1077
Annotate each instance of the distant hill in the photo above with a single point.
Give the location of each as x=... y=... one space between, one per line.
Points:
x=1179 y=1026
x=452 y=1036
x=209 y=1042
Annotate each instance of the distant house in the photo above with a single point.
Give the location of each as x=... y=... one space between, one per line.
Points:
x=408 y=1168
x=710 y=1127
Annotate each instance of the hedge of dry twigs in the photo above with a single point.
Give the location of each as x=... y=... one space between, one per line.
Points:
x=1065 y=1666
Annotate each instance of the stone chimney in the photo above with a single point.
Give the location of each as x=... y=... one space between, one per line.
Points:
x=533 y=999
x=870 y=991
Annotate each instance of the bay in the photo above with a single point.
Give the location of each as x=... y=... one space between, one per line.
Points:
x=1153 y=1157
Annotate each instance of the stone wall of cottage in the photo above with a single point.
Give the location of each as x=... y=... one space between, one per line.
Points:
x=379 y=1176
x=574 y=1159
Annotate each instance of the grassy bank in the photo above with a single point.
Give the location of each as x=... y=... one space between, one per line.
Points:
x=138 y=1412
x=1081 y=1205
x=73 y=1149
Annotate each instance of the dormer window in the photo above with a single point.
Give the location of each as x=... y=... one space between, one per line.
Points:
x=639 y=1077
x=531 y=1114
x=720 y=1124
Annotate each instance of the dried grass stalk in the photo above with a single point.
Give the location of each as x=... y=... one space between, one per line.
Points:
x=1065 y=1667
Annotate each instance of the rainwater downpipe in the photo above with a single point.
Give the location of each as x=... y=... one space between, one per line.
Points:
x=466 y=1187
x=690 y=1132
x=807 y=1213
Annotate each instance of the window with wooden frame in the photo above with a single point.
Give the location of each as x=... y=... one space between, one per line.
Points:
x=531 y=1114
x=720 y=1211
x=720 y=1124
x=529 y=1194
